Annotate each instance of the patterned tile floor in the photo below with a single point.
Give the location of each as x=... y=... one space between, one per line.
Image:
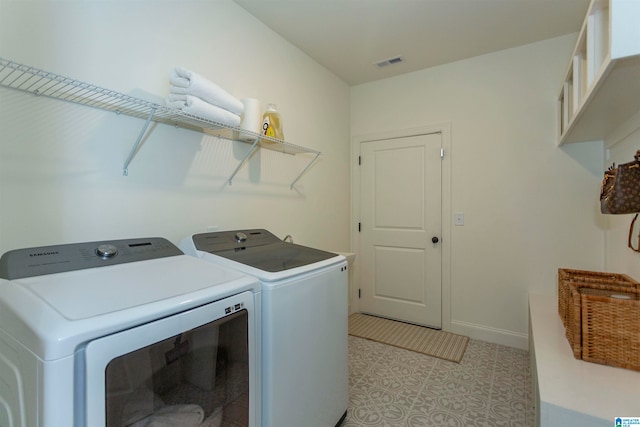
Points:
x=392 y=387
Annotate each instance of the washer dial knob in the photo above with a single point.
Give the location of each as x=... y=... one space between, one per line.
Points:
x=241 y=237
x=106 y=251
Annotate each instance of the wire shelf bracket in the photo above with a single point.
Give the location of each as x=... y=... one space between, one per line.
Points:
x=253 y=148
x=304 y=170
x=134 y=149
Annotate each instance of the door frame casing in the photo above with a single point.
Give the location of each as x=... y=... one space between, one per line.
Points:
x=445 y=131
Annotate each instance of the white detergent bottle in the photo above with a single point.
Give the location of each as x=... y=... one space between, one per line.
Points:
x=271 y=123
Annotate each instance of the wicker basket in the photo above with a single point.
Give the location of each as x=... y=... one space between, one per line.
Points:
x=574 y=327
x=573 y=320
x=611 y=328
x=585 y=279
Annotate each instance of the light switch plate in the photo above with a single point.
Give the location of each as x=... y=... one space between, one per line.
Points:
x=458 y=218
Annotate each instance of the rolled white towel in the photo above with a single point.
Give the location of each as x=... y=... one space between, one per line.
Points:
x=186 y=82
x=198 y=107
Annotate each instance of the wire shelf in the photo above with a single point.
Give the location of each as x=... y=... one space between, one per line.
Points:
x=43 y=83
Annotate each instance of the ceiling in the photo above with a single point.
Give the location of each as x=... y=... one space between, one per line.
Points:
x=349 y=37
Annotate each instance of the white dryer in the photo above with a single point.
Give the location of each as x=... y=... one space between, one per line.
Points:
x=126 y=333
x=305 y=369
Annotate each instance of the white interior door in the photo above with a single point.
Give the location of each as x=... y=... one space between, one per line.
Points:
x=401 y=228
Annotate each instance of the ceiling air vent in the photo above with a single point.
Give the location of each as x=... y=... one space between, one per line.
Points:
x=390 y=61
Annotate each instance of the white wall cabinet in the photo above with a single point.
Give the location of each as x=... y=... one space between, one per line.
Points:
x=601 y=88
x=43 y=83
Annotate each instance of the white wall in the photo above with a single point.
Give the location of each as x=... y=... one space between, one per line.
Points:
x=623 y=144
x=61 y=164
x=530 y=207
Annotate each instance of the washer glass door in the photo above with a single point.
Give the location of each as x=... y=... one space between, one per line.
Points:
x=185 y=380
x=181 y=370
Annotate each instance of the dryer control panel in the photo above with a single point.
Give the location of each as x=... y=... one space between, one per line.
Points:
x=43 y=260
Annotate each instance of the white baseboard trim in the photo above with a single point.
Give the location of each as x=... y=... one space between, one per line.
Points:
x=489 y=334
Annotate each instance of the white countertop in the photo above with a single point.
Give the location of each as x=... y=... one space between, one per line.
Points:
x=350 y=256
x=600 y=391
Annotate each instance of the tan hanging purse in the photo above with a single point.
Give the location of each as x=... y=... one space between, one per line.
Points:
x=620 y=190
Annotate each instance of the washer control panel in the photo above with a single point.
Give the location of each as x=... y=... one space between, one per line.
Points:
x=43 y=260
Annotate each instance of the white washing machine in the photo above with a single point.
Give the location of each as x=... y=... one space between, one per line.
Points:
x=305 y=373
x=126 y=333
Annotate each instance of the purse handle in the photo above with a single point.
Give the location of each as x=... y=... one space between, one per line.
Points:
x=633 y=222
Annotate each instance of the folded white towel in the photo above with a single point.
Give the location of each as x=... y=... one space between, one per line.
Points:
x=200 y=108
x=185 y=82
x=213 y=420
x=173 y=416
x=175 y=97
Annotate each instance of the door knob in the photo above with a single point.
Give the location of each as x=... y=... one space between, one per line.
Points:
x=435 y=240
